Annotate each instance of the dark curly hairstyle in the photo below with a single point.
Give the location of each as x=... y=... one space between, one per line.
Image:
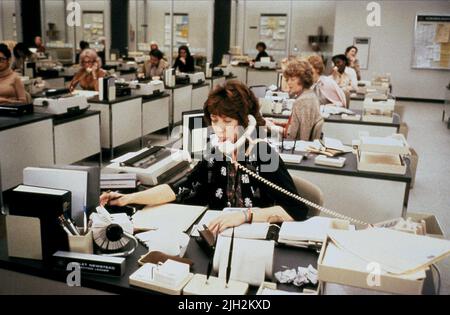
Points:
x=5 y=50
x=299 y=69
x=262 y=45
x=235 y=100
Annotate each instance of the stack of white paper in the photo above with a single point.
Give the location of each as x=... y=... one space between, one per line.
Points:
x=313 y=230
x=168 y=217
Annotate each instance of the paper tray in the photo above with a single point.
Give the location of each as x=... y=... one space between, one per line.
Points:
x=381 y=163
x=378 y=118
x=395 y=144
x=356 y=278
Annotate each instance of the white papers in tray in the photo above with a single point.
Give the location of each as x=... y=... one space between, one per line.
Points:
x=314 y=229
x=396 y=252
x=168 y=217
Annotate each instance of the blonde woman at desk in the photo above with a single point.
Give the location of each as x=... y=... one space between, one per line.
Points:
x=90 y=72
x=12 y=90
x=217 y=180
x=325 y=88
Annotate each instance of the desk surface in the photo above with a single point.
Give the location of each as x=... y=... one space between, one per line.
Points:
x=95 y=99
x=7 y=122
x=338 y=119
x=200 y=85
x=62 y=120
x=148 y=98
x=349 y=169
x=284 y=256
x=178 y=86
x=263 y=69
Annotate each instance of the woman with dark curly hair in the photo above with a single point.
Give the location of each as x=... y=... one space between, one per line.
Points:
x=218 y=181
x=184 y=62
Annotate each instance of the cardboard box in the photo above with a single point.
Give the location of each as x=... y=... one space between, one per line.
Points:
x=357 y=278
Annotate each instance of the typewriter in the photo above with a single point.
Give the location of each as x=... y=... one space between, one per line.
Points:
x=61 y=102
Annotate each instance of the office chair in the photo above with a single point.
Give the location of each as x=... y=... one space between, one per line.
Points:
x=316 y=132
x=310 y=192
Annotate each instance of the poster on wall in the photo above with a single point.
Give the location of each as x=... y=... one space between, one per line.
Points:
x=363 y=45
x=93 y=27
x=431 y=42
x=273 y=31
x=180 y=29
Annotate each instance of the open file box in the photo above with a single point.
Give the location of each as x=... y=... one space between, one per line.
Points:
x=347 y=269
x=378 y=111
x=383 y=154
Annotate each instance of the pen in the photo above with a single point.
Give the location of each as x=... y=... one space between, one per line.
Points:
x=230 y=255
x=66 y=229
x=73 y=227
x=293 y=148
x=84 y=222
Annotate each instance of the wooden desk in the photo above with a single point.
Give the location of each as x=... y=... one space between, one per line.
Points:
x=24 y=141
x=121 y=120
x=371 y=197
x=77 y=137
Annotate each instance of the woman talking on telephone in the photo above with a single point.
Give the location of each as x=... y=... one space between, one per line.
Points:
x=218 y=180
x=87 y=77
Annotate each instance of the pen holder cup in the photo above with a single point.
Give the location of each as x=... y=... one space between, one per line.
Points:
x=82 y=244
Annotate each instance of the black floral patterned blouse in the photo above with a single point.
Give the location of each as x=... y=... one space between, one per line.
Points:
x=216 y=182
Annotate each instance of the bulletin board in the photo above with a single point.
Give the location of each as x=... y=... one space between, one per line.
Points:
x=93 y=26
x=180 y=29
x=431 y=42
x=273 y=31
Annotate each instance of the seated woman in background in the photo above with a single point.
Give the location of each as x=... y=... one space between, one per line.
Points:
x=87 y=76
x=306 y=108
x=22 y=55
x=261 y=48
x=156 y=65
x=325 y=88
x=217 y=181
x=353 y=62
x=12 y=90
x=184 y=61
x=344 y=76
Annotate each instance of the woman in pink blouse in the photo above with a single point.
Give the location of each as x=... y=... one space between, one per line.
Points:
x=326 y=89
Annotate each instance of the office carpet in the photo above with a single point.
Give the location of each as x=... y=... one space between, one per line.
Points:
x=429 y=136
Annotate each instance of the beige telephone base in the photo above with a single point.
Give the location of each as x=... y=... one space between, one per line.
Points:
x=215 y=286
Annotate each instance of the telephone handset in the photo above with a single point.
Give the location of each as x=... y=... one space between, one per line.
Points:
x=228 y=147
